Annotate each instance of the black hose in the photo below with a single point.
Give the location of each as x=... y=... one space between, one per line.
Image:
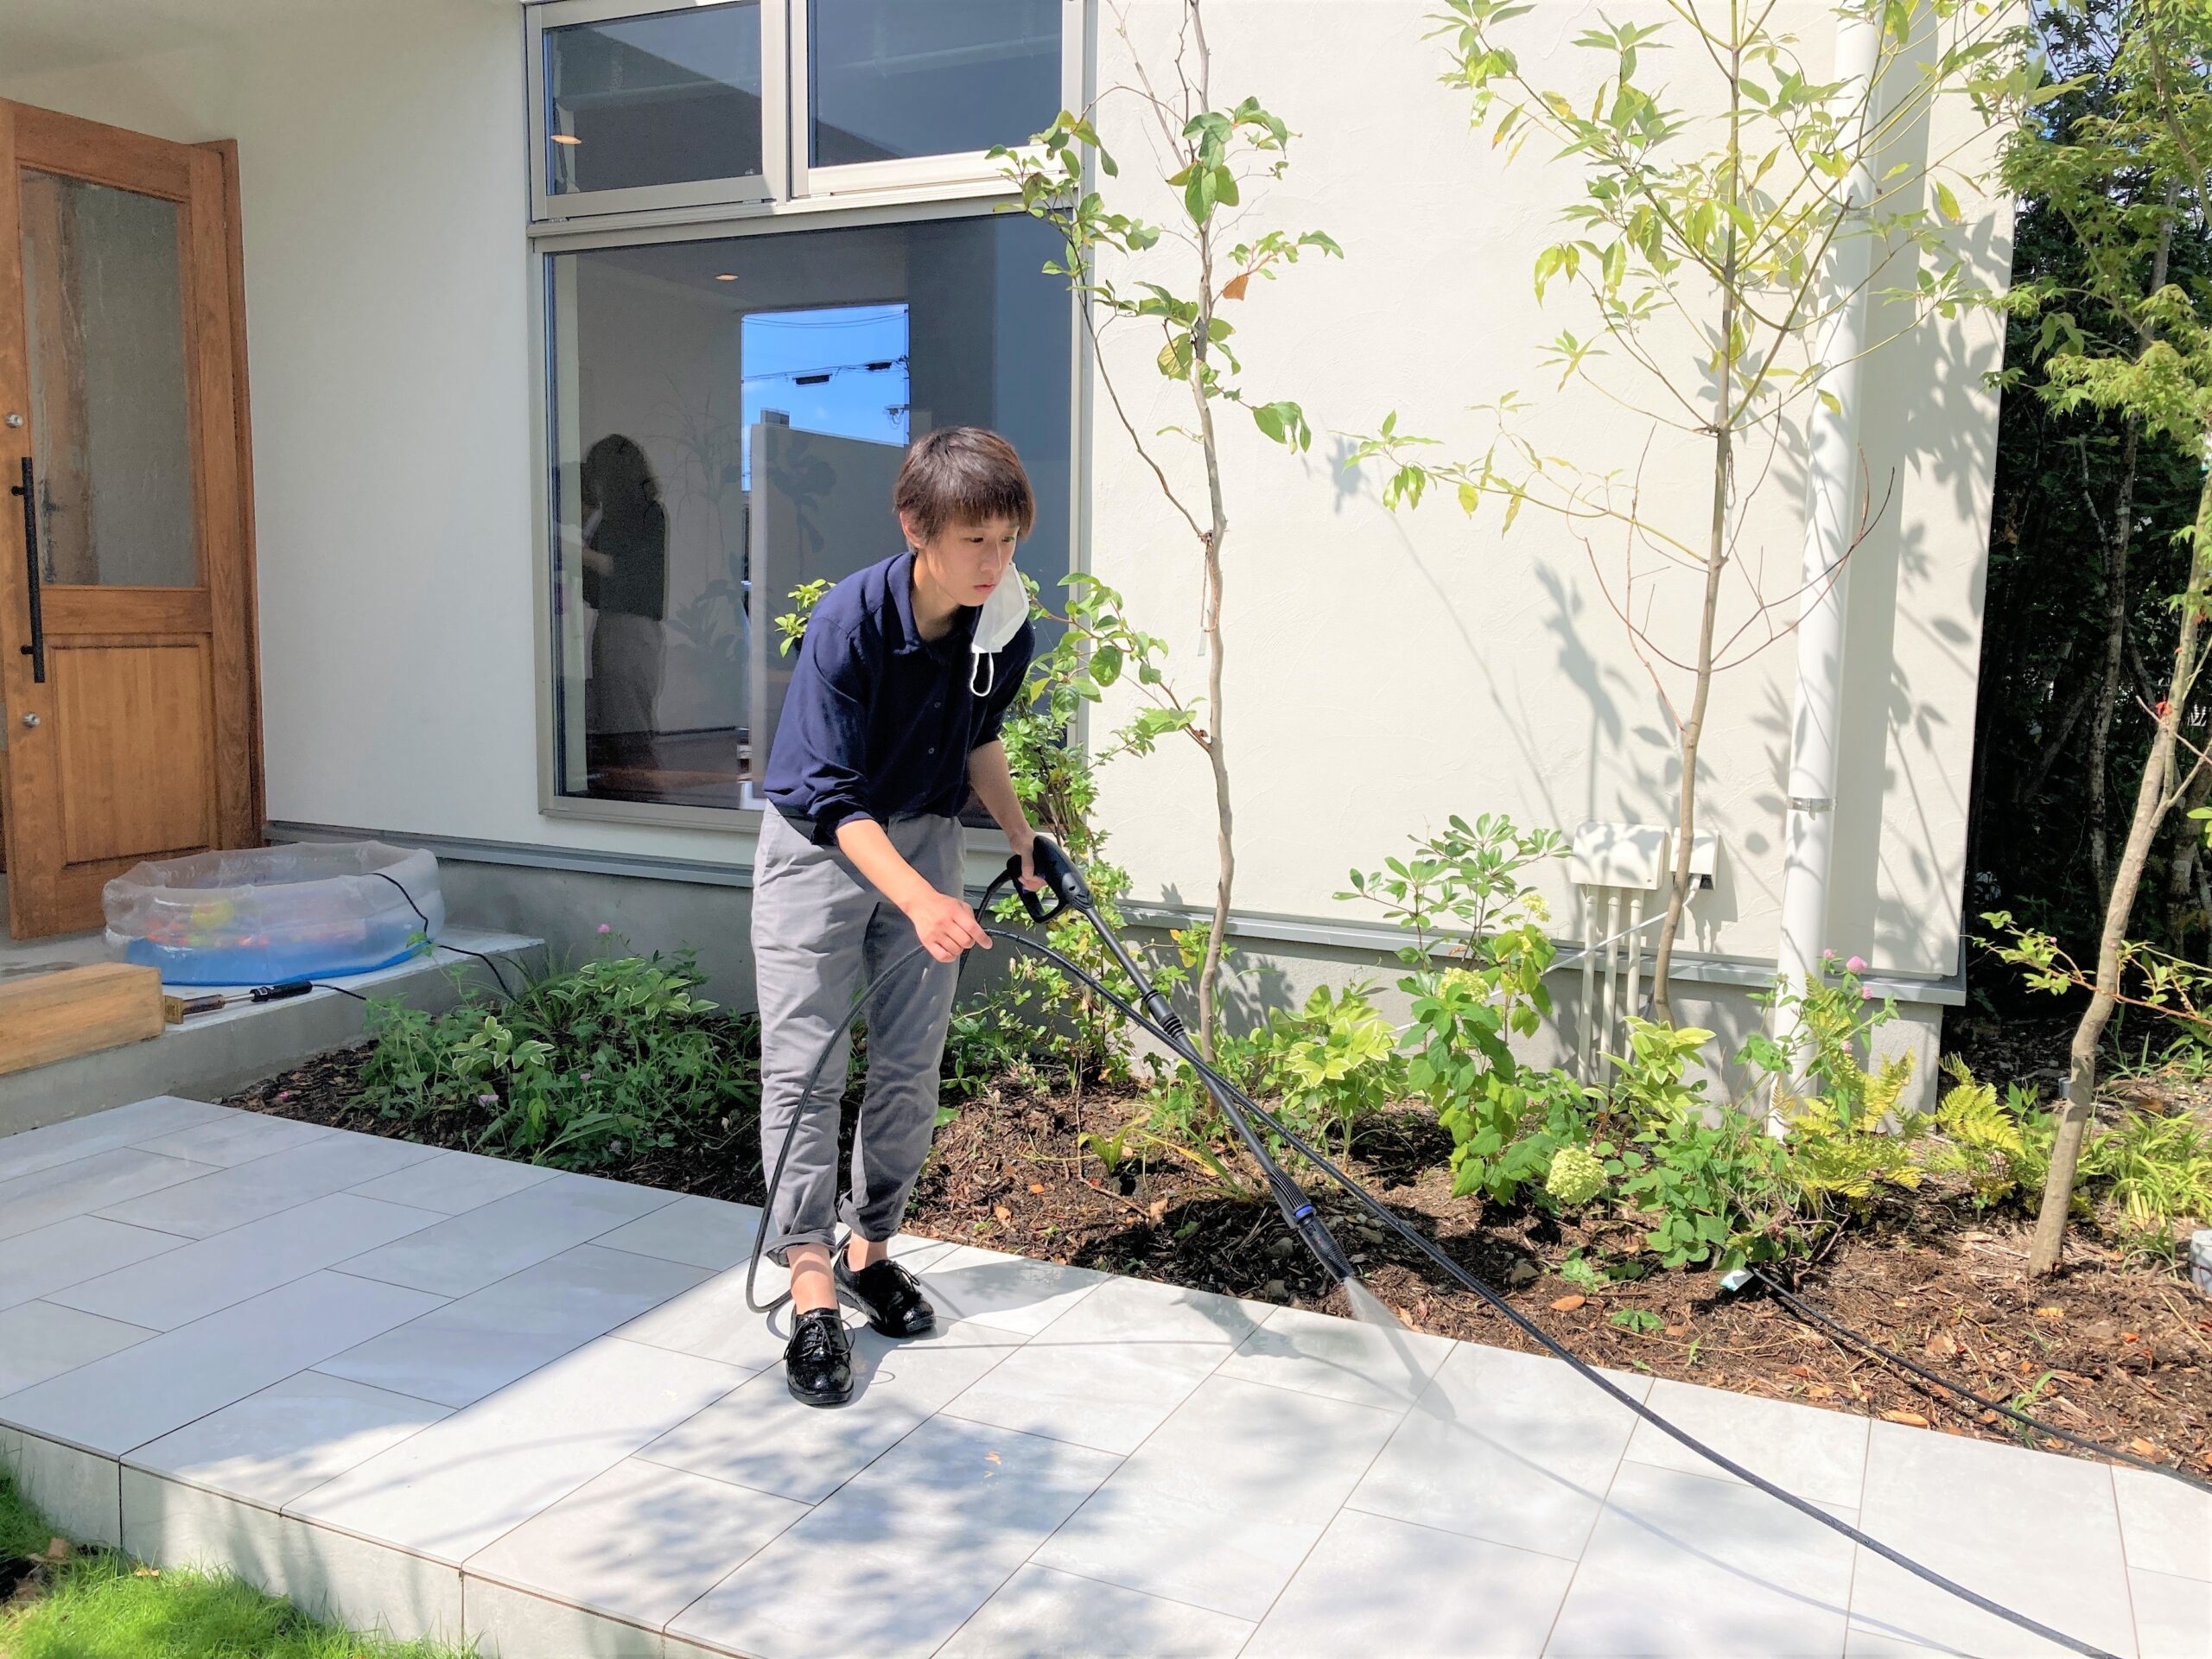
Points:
x=1225 y=1091
x=459 y=949
x=1813 y=1316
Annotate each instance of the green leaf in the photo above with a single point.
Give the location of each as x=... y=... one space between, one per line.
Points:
x=1947 y=204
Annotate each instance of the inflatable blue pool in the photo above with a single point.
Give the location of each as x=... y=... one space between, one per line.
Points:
x=307 y=910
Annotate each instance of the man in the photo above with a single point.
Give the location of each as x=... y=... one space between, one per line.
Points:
x=892 y=718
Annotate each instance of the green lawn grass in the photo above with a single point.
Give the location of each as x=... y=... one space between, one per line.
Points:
x=100 y=1607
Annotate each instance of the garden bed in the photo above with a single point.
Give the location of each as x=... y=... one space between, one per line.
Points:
x=2118 y=1349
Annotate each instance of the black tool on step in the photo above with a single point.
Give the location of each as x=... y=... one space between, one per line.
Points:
x=177 y=1009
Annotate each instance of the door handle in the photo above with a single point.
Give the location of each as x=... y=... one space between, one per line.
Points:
x=36 y=650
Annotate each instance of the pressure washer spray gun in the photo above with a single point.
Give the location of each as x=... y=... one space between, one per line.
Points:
x=1065 y=884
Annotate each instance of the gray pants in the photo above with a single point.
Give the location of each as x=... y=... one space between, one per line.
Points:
x=820 y=933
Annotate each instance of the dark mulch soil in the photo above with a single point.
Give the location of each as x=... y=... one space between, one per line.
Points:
x=2115 y=1350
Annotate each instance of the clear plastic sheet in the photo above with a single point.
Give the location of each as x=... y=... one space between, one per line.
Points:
x=305 y=911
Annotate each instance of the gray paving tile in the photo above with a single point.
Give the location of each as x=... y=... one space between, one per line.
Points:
x=80 y=1492
x=1136 y=1310
x=2166 y=1526
x=450 y=1491
x=506 y=1624
x=761 y=1437
x=1009 y=1292
x=701 y=1232
x=281 y=1443
x=44 y=1197
x=1039 y=1611
x=1820 y=1455
x=712 y=1321
x=1680 y=1565
x=2037 y=1533
x=225 y=1141
x=796 y=1600
x=965 y=1486
x=226 y=1198
x=1505 y=1446
x=41 y=1339
x=1373 y=1584
x=1322 y=1354
x=1107 y=1394
x=453 y=1182
x=1216 y=1509
x=471 y=1250
x=1181 y=1551
x=674 y=1537
x=463 y=1351
x=1224 y=1448
x=2173 y=1615
x=208 y=1275
x=30 y=1150
x=36 y=1264
x=119 y=1404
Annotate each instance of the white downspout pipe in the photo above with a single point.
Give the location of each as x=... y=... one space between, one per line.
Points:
x=1831 y=474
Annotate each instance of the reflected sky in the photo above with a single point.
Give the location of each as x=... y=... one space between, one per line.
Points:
x=837 y=369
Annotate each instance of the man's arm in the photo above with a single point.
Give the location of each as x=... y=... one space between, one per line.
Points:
x=942 y=922
x=988 y=776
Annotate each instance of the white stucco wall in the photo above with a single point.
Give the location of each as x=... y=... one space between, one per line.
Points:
x=1386 y=669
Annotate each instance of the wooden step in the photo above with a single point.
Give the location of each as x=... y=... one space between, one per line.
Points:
x=48 y=1017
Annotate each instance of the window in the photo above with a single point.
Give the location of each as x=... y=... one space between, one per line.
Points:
x=888 y=81
x=638 y=105
x=726 y=416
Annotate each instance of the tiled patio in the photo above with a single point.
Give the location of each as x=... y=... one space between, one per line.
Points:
x=443 y=1394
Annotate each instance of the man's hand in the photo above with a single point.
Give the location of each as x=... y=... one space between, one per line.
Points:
x=1023 y=846
x=946 y=925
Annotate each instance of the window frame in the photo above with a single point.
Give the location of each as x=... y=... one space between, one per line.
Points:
x=785 y=179
x=735 y=189
x=821 y=214
x=953 y=167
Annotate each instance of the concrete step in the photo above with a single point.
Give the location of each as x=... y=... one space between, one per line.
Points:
x=211 y=1054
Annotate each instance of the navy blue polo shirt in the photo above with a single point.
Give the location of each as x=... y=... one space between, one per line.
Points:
x=879 y=722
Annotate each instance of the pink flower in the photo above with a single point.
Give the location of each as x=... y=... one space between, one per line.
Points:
x=604 y=928
x=1856 y=965
x=487 y=1100
x=1866 y=993
x=283 y=1094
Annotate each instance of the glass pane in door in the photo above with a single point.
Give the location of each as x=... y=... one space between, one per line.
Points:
x=110 y=426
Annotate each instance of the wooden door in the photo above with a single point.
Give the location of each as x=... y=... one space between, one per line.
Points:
x=128 y=728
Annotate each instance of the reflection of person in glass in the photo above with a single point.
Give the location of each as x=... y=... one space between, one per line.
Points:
x=625 y=581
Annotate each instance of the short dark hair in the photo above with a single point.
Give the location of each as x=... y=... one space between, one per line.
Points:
x=964 y=475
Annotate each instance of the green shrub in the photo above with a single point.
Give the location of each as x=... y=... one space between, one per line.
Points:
x=584 y=1066
x=1333 y=1064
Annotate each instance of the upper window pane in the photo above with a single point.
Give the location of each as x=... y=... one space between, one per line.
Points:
x=670 y=99
x=891 y=79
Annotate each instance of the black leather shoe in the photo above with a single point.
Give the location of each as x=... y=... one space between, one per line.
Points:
x=887 y=1294
x=819 y=1359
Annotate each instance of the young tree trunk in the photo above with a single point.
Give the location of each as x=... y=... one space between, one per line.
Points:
x=1716 y=558
x=2151 y=802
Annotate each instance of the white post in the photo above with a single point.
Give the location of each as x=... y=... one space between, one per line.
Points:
x=1831 y=474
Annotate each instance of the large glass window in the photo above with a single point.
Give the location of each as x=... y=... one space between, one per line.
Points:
x=728 y=416
x=890 y=80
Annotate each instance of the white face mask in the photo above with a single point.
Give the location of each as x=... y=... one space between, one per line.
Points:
x=1003 y=614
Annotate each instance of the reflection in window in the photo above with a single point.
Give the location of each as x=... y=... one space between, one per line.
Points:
x=663 y=99
x=728 y=417
x=889 y=78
